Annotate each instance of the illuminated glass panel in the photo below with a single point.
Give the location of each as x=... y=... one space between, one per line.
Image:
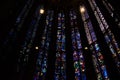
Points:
x=95 y=49
x=87 y=33
x=113 y=46
x=99 y=16
x=60 y=63
x=85 y=16
x=108 y=7
x=78 y=58
x=114 y=42
x=109 y=37
x=91 y=31
x=41 y=67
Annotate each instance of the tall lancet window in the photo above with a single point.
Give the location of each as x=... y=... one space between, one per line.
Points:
x=42 y=60
x=97 y=57
x=79 y=64
x=112 y=12
x=60 y=63
x=108 y=35
x=25 y=49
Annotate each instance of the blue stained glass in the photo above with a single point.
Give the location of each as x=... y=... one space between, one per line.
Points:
x=77 y=53
x=86 y=15
x=91 y=31
x=76 y=65
x=97 y=47
x=60 y=73
x=108 y=34
x=44 y=47
x=116 y=45
x=98 y=62
x=107 y=38
x=105 y=74
x=110 y=37
x=84 y=77
x=111 y=49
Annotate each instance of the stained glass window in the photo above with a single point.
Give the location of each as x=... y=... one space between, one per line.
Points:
x=60 y=63
x=112 y=12
x=79 y=64
x=109 y=37
x=28 y=42
x=41 y=65
x=95 y=49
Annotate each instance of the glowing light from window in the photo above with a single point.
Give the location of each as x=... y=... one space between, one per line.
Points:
x=86 y=48
x=42 y=11
x=82 y=9
x=36 y=47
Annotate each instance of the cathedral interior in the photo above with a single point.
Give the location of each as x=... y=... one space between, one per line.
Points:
x=60 y=40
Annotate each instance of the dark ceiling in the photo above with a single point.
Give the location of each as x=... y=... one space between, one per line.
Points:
x=9 y=7
x=62 y=3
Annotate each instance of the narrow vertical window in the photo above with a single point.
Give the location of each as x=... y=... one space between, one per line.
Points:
x=41 y=64
x=108 y=35
x=60 y=63
x=97 y=57
x=79 y=64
